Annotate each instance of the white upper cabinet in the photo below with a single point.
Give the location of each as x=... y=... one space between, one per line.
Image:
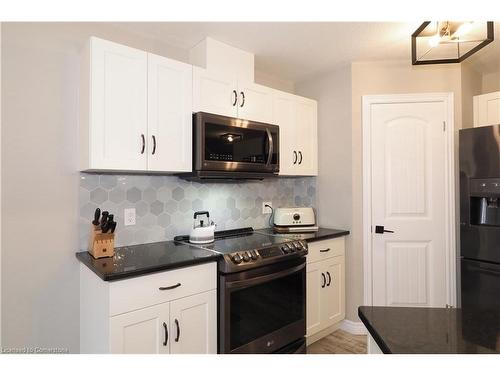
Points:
x=135 y=110
x=284 y=114
x=487 y=109
x=255 y=102
x=113 y=126
x=169 y=115
x=214 y=93
x=297 y=118
x=307 y=137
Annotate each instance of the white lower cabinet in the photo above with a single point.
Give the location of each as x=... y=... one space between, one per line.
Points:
x=168 y=312
x=325 y=287
x=183 y=326
x=144 y=331
x=191 y=324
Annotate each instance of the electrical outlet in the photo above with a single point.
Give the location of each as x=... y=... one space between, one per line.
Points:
x=129 y=216
x=266 y=210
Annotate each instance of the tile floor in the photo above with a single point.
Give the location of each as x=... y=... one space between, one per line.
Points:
x=339 y=342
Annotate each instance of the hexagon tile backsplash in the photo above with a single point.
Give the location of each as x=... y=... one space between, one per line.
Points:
x=165 y=204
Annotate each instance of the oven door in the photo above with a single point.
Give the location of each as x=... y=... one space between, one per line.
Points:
x=263 y=310
x=234 y=145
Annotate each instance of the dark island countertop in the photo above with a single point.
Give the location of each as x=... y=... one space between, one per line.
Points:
x=321 y=234
x=137 y=260
x=419 y=330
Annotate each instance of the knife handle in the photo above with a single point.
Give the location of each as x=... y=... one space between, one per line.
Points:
x=104 y=217
x=110 y=218
x=97 y=215
x=113 y=226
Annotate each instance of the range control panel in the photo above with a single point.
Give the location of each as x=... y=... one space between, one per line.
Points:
x=237 y=261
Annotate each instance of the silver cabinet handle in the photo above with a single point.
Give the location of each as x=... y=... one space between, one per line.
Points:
x=154 y=145
x=300 y=154
x=325 y=250
x=324 y=280
x=169 y=287
x=143 y=144
x=295 y=157
x=329 y=278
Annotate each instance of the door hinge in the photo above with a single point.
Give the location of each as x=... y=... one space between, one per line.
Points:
x=444 y=126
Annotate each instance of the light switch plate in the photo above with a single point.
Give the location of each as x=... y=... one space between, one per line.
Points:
x=129 y=216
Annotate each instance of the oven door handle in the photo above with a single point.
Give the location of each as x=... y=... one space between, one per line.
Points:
x=270 y=140
x=262 y=279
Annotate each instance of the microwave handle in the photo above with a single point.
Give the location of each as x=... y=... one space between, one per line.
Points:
x=270 y=140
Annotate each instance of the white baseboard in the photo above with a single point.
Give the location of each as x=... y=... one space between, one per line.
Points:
x=354 y=328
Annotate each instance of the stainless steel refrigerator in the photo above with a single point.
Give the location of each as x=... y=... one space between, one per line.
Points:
x=480 y=218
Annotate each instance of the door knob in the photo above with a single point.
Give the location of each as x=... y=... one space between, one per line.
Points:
x=380 y=229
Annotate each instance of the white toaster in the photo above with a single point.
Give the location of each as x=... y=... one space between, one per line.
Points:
x=294 y=219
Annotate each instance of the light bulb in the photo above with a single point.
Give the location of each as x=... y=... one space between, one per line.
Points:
x=463 y=29
x=434 y=41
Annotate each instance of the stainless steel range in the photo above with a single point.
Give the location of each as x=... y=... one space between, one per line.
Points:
x=262 y=292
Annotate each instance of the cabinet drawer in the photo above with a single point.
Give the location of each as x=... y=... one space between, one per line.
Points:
x=140 y=292
x=326 y=249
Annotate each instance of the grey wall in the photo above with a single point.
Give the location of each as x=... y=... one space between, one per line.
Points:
x=165 y=204
x=40 y=182
x=334 y=182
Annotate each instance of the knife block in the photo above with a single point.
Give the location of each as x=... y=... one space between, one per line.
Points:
x=101 y=245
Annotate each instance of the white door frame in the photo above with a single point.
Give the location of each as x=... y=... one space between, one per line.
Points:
x=368 y=101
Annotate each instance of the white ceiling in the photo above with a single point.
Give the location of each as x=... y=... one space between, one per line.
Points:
x=295 y=51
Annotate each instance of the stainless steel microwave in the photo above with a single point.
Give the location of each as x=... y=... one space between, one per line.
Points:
x=231 y=148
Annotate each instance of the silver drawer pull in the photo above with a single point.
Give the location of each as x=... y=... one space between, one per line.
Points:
x=324 y=250
x=170 y=287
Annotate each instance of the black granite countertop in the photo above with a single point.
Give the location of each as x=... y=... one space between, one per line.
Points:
x=137 y=260
x=418 y=330
x=321 y=234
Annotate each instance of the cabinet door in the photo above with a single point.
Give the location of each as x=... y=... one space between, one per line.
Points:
x=307 y=137
x=284 y=116
x=255 y=102
x=487 y=109
x=193 y=324
x=169 y=115
x=333 y=294
x=214 y=93
x=118 y=97
x=141 y=331
x=314 y=281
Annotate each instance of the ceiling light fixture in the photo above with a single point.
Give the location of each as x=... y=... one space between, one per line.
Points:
x=442 y=42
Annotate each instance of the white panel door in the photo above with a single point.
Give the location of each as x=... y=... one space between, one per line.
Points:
x=487 y=109
x=255 y=102
x=333 y=297
x=314 y=280
x=307 y=137
x=214 y=93
x=408 y=197
x=284 y=112
x=143 y=331
x=118 y=106
x=193 y=324
x=169 y=115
